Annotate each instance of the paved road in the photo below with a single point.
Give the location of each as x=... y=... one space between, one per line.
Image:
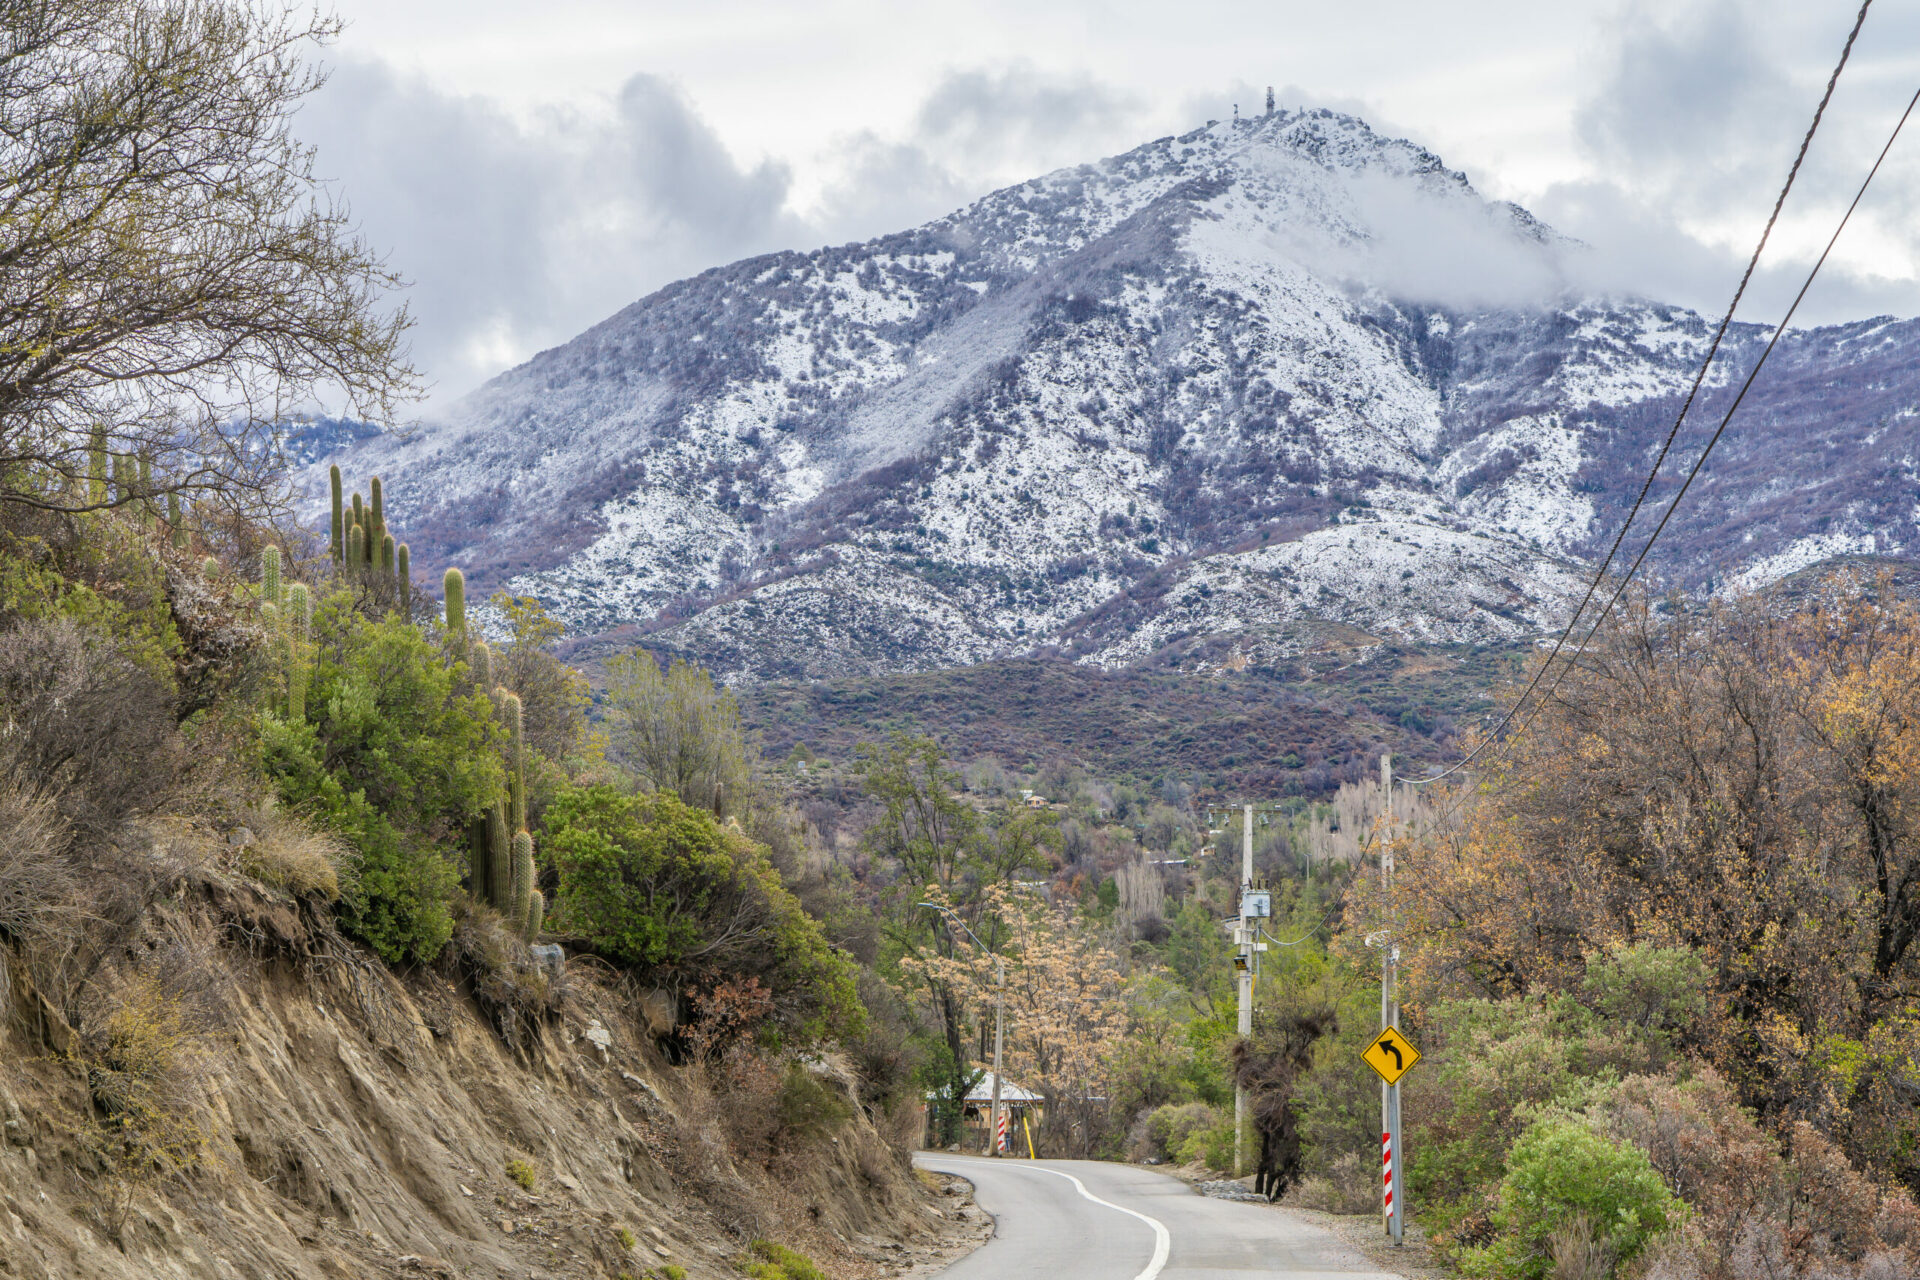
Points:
x=1088 y=1220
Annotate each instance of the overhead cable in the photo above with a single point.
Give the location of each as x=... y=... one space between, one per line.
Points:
x=1495 y=735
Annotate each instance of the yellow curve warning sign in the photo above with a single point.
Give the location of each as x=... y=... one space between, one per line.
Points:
x=1391 y=1054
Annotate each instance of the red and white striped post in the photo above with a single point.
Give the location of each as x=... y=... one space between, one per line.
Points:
x=1000 y=1137
x=1386 y=1169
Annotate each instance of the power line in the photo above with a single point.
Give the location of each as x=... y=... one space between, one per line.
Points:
x=1744 y=388
x=1699 y=378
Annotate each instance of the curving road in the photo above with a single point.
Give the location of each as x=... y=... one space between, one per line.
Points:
x=1089 y=1220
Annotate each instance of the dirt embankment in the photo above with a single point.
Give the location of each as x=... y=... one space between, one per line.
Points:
x=357 y=1124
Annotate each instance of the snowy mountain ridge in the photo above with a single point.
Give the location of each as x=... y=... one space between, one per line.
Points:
x=1196 y=403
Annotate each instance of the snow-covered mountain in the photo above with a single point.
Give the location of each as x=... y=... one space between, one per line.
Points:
x=1207 y=397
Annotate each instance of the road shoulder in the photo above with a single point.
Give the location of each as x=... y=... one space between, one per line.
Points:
x=964 y=1226
x=1361 y=1232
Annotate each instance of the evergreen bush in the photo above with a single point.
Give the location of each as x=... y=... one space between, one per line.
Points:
x=1563 y=1179
x=652 y=883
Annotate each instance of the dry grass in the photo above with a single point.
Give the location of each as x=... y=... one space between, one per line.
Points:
x=1578 y=1252
x=287 y=854
x=39 y=886
x=515 y=993
x=144 y=1069
x=1350 y=1186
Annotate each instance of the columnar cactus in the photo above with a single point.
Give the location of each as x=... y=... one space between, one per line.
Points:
x=299 y=613
x=522 y=900
x=536 y=914
x=270 y=576
x=337 y=545
x=482 y=664
x=499 y=857
x=379 y=508
x=175 y=523
x=356 y=546
x=456 y=588
x=479 y=858
x=388 y=549
x=210 y=566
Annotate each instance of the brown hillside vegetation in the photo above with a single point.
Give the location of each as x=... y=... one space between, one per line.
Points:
x=1301 y=731
x=1685 y=905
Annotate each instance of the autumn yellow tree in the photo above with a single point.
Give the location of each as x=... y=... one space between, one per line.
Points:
x=1065 y=1012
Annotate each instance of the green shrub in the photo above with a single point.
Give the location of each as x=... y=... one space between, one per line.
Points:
x=1561 y=1174
x=673 y=1271
x=92 y=569
x=1491 y=1068
x=625 y=1237
x=522 y=1172
x=1169 y=1127
x=1211 y=1146
x=1655 y=993
x=650 y=882
x=394 y=758
x=777 y=1262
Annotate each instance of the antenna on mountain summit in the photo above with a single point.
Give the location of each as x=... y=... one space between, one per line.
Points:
x=1269 y=99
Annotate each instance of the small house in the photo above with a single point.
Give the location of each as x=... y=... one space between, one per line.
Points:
x=974 y=1117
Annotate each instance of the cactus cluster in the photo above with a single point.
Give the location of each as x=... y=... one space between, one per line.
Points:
x=360 y=544
x=502 y=868
x=126 y=479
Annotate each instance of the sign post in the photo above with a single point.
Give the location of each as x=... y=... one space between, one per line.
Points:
x=1392 y=1055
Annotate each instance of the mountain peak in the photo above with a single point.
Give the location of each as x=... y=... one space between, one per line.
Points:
x=1202 y=399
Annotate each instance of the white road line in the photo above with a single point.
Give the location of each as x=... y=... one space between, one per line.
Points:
x=1162 y=1242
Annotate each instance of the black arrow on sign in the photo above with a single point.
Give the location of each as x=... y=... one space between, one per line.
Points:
x=1399 y=1063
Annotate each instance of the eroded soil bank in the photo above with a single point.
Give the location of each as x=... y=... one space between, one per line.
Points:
x=363 y=1124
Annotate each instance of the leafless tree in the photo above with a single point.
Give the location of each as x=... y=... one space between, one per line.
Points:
x=174 y=280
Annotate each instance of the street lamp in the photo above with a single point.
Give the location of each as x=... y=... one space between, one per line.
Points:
x=999 y=1007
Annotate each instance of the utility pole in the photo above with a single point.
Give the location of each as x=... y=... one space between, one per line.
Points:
x=1394 y=1189
x=1244 y=937
x=999 y=1008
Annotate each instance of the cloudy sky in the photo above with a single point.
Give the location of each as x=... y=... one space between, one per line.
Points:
x=533 y=167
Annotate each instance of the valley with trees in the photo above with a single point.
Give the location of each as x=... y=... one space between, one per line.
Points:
x=375 y=902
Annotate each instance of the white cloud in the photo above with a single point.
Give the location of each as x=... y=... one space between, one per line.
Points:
x=531 y=185
x=518 y=233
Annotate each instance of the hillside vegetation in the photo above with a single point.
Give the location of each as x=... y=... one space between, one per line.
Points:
x=1301 y=729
